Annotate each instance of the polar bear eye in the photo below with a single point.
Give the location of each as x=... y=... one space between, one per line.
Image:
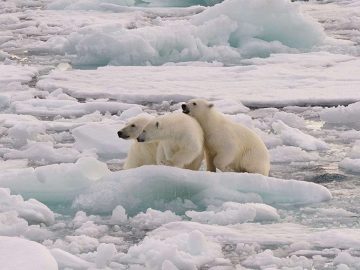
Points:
x=132 y=125
x=157 y=124
x=194 y=103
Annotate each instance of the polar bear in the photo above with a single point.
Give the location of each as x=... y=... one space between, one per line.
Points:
x=229 y=146
x=139 y=153
x=180 y=138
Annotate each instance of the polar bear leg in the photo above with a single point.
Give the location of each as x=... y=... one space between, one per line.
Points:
x=210 y=161
x=160 y=156
x=222 y=162
x=180 y=157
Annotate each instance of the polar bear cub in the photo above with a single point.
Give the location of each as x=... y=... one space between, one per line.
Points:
x=229 y=146
x=180 y=138
x=139 y=153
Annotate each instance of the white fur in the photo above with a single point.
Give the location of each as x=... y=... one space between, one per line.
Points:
x=139 y=153
x=180 y=138
x=229 y=146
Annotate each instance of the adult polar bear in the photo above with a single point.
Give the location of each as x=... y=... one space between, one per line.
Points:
x=229 y=146
x=180 y=139
x=139 y=153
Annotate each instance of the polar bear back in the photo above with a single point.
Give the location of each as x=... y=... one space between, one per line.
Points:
x=230 y=146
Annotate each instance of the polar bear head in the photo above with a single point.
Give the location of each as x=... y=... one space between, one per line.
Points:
x=164 y=127
x=134 y=126
x=153 y=131
x=197 y=108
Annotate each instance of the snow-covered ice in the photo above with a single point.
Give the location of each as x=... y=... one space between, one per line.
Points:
x=73 y=72
x=19 y=254
x=162 y=187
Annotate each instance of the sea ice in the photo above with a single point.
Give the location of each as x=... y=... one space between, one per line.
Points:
x=235 y=213
x=284 y=154
x=161 y=187
x=295 y=137
x=102 y=138
x=19 y=254
x=31 y=210
x=342 y=114
x=53 y=183
x=247 y=30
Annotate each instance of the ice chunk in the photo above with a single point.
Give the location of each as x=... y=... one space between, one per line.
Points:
x=267 y=258
x=290 y=154
x=256 y=21
x=20 y=254
x=11 y=224
x=295 y=137
x=31 y=210
x=16 y=73
x=118 y=215
x=290 y=119
x=77 y=244
x=342 y=114
x=230 y=106
x=247 y=30
x=350 y=165
x=22 y=132
x=234 y=213
x=87 y=5
x=129 y=113
x=182 y=251
x=103 y=139
x=13 y=164
x=266 y=78
x=105 y=252
x=66 y=107
x=53 y=183
x=152 y=219
x=92 y=168
x=67 y=260
x=346 y=258
x=355 y=151
x=265 y=234
x=161 y=187
x=91 y=229
x=44 y=153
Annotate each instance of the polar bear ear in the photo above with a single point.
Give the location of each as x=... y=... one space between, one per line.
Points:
x=157 y=124
x=211 y=105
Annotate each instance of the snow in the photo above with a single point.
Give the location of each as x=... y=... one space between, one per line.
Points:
x=20 y=254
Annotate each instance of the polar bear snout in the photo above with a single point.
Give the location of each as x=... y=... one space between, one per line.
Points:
x=141 y=137
x=185 y=108
x=122 y=135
